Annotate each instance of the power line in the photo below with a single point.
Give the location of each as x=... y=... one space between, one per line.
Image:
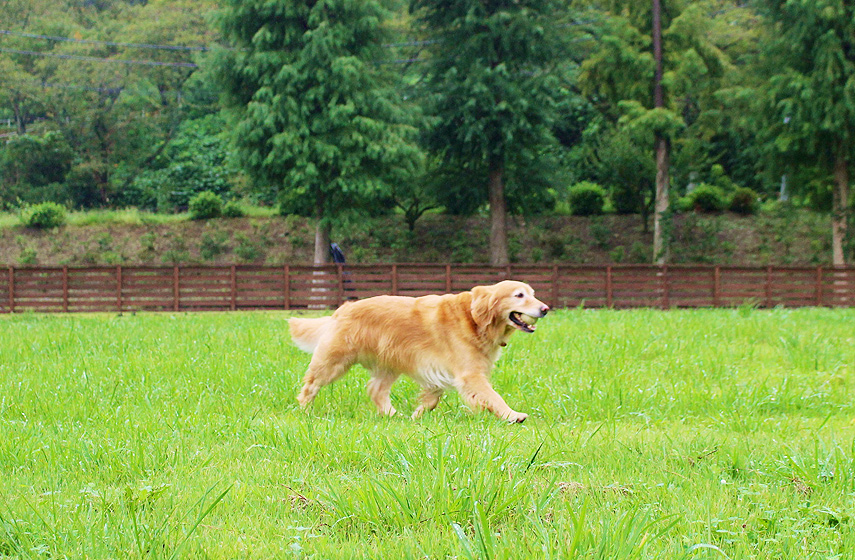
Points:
x=97 y=59
x=411 y=44
x=110 y=90
x=414 y=43
x=107 y=43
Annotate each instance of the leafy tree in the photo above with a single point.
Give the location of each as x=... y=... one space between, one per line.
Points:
x=493 y=91
x=196 y=160
x=811 y=94
x=316 y=117
x=117 y=117
x=32 y=168
x=621 y=78
x=627 y=169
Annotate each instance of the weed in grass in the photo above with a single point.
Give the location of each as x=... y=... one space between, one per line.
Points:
x=246 y=248
x=212 y=245
x=556 y=246
x=640 y=252
x=600 y=232
x=28 y=256
x=177 y=252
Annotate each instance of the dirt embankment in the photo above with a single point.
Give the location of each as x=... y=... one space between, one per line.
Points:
x=798 y=238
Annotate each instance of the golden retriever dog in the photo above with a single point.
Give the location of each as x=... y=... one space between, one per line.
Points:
x=442 y=342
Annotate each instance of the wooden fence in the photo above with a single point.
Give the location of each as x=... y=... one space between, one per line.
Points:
x=198 y=288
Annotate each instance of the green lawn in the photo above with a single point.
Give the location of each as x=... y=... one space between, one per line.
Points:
x=680 y=434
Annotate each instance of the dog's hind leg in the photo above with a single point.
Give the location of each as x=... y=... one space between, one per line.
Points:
x=379 y=387
x=430 y=398
x=325 y=367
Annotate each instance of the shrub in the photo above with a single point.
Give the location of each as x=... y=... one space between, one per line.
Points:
x=233 y=210
x=586 y=199
x=707 y=198
x=246 y=249
x=206 y=205
x=210 y=246
x=744 y=201
x=627 y=199
x=46 y=215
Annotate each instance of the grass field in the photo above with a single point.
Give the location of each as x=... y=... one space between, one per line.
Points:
x=681 y=434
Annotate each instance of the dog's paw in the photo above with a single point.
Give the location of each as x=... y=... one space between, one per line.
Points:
x=516 y=417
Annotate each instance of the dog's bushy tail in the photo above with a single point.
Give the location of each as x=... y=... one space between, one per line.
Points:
x=306 y=333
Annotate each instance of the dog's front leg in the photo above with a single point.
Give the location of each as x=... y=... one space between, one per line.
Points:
x=478 y=393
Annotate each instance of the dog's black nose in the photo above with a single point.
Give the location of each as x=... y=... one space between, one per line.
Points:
x=544 y=310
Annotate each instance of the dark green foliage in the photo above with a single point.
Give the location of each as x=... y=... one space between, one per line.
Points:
x=707 y=199
x=212 y=245
x=315 y=118
x=628 y=168
x=233 y=209
x=206 y=205
x=246 y=248
x=32 y=168
x=196 y=160
x=744 y=201
x=494 y=85
x=45 y=215
x=586 y=199
x=810 y=97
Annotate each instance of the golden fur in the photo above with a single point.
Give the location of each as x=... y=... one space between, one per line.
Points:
x=442 y=342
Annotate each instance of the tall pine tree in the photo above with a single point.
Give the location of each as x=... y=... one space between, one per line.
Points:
x=316 y=116
x=493 y=93
x=811 y=94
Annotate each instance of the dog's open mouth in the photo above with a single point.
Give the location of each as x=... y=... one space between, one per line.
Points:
x=523 y=322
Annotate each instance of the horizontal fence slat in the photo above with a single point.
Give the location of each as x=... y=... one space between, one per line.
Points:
x=244 y=287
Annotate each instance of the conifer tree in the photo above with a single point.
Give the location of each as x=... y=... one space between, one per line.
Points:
x=493 y=93
x=811 y=51
x=316 y=116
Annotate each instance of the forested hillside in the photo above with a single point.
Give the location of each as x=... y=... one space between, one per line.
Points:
x=340 y=112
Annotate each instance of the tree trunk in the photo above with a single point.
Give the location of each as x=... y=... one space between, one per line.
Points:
x=660 y=210
x=840 y=209
x=322 y=243
x=663 y=148
x=322 y=234
x=20 y=124
x=498 y=217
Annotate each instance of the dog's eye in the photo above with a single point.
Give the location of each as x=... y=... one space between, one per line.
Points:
x=519 y=295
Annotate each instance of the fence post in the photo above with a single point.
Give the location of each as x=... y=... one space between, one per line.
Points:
x=769 y=287
x=716 y=295
x=447 y=278
x=666 y=288
x=340 y=290
x=65 y=289
x=287 y=287
x=119 y=288
x=11 y=289
x=232 y=287
x=609 y=286
x=555 y=286
x=175 y=288
x=394 y=279
x=818 y=290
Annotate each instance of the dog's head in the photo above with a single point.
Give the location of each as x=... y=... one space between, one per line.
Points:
x=511 y=304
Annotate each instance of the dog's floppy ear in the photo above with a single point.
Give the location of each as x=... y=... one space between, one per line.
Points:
x=483 y=306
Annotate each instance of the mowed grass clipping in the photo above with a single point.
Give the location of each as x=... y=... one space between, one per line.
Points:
x=677 y=434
